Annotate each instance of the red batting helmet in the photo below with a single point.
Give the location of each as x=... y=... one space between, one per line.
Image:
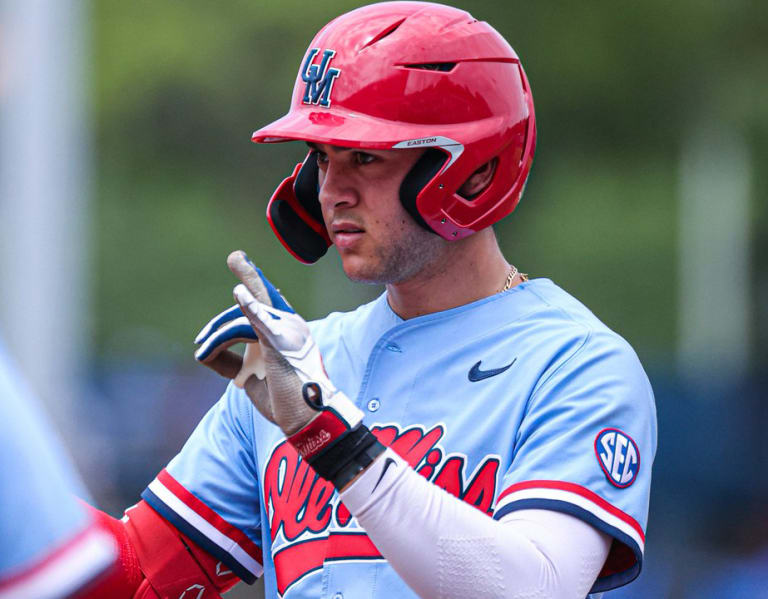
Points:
x=402 y=75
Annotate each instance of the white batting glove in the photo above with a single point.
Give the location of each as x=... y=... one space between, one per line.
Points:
x=222 y=331
x=322 y=424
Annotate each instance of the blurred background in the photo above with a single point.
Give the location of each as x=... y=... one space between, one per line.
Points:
x=127 y=175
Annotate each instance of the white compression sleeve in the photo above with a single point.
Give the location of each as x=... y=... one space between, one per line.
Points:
x=444 y=548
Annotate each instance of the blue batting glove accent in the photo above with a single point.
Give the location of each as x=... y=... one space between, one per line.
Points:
x=278 y=301
x=237 y=331
x=218 y=320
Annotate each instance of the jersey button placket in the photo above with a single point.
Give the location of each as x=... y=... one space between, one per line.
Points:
x=374 y=403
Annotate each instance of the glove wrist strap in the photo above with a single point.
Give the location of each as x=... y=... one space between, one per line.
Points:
x=336 y=457
x=320 y=434
x=357 y=464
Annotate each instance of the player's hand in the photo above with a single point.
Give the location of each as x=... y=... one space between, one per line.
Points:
x=223 y=331
x=299 y=389
x=248 y=372
x=293 y=391
x=227 y=329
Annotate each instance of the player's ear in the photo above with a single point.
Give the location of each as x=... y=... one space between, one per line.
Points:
x=478 y=180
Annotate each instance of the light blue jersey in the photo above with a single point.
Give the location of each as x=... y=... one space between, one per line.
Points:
x=520 y=400
x=49 y=546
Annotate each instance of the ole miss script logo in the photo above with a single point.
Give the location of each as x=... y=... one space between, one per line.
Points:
x=309 y=525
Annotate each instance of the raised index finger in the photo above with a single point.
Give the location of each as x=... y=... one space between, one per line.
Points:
x=256 y=282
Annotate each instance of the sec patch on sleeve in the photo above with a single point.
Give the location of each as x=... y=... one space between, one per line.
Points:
x=618 y=456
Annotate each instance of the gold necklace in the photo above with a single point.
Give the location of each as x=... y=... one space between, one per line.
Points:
x=511 y=277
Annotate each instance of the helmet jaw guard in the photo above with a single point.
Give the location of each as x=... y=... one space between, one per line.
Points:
x=461 y=93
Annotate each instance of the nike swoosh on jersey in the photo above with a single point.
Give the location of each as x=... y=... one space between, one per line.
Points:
x=387 y=464
x=475 y=374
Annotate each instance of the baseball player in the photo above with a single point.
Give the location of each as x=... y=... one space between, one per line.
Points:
x=50 y=547
x=468 y=433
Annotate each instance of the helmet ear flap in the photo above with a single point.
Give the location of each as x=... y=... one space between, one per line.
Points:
x=417 y=179
x=294 y=214
x=306 y=187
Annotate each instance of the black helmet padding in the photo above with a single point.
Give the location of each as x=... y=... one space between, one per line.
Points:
x=294 y=209
x=417 y=178
x=294 y=214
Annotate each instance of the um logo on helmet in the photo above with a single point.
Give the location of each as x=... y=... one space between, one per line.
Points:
x=318 y=78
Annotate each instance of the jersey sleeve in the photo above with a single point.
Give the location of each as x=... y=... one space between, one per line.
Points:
x=50 y=547
x=209 y=491
x=585 y=447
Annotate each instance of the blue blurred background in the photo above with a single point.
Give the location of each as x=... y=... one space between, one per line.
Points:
x=127 y=175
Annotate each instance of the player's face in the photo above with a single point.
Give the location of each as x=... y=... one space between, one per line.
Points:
x=378 y=241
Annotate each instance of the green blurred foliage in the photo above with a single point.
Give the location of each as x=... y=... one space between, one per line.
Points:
x=178 y=88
